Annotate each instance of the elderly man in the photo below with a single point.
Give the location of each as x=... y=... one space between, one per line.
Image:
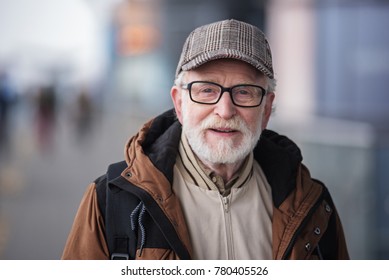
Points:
x=208 y=180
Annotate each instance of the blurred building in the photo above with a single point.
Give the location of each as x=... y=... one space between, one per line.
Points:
x=352 y=70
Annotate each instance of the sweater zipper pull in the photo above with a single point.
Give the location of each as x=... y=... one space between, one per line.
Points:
x=226 y=204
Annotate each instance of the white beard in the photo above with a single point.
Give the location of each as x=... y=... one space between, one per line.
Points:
x=224 y=151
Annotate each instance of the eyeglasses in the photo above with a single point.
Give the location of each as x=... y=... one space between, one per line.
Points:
x=243 y=95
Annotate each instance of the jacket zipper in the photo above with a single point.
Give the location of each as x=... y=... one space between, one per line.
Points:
x=297 y=232
x=228 y=226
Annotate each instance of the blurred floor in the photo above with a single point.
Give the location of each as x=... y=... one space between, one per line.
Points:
x=43 y=174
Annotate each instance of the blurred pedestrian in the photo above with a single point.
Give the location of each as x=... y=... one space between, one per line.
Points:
x=207 y=180
x=46 y=112
x=83 y=115
x=6 y=99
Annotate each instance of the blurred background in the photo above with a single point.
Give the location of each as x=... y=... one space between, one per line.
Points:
x=78 y=77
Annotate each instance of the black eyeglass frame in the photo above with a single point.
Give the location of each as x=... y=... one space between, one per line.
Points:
x=188 y=86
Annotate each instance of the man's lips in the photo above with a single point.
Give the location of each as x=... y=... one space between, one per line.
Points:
x=223 y=130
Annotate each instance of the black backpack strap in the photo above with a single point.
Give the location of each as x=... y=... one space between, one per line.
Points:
x=101 y=190
x=129 y=226
x=113 y=203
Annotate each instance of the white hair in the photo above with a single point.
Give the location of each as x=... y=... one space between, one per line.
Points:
x=179 y=78
x=271 y=84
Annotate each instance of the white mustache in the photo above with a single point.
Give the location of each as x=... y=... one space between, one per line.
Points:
x=235 y=123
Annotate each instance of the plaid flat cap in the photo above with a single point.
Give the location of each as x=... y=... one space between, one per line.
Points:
x=227 y=39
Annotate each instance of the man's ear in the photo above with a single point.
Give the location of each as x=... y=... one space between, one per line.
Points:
x=176 y=96
x=268 y=108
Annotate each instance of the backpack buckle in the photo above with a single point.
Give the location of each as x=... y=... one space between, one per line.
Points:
x=120 y=256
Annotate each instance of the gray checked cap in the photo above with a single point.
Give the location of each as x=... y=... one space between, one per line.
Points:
x=227 y=39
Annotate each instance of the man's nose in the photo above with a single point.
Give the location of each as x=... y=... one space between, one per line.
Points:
x=225 y=108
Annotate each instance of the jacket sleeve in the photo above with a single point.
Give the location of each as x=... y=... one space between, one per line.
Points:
x=86 y=240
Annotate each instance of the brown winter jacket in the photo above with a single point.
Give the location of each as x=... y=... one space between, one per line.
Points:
x=305 y=222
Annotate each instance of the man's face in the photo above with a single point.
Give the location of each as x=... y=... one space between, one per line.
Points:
x=222 y=133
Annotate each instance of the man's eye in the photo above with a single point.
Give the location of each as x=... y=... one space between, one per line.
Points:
x=208 y=90
x=243 y=92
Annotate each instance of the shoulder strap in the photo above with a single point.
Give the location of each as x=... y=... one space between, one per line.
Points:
x=129 y=226
x=114 y=205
